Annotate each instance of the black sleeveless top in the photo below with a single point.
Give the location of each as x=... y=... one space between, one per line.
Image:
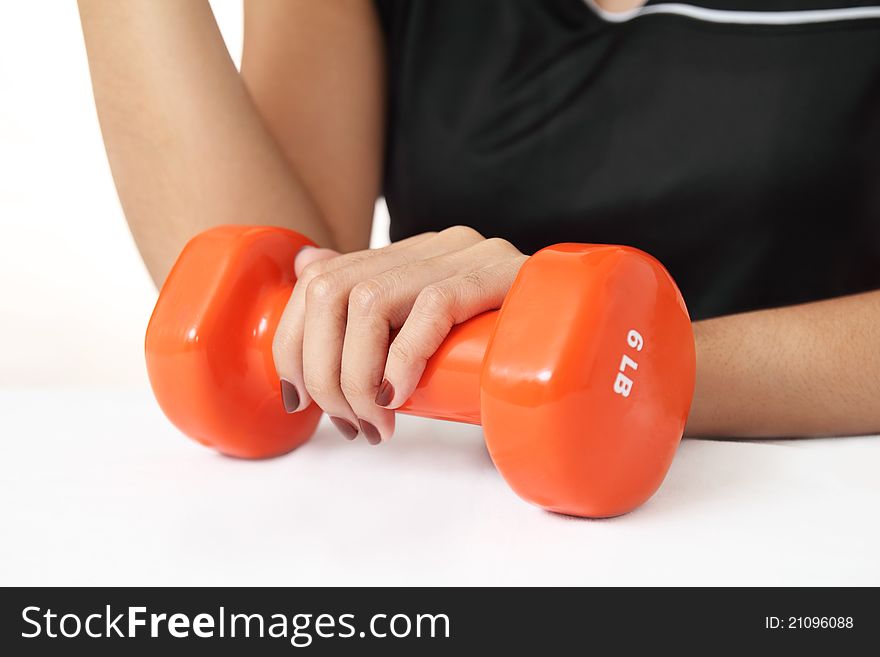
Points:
x=738 y=141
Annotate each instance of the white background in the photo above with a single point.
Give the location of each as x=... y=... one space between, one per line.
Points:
x=97 y=488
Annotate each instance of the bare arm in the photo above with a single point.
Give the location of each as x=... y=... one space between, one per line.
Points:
x=806 y=370
x=316 y=73
x=188 y=143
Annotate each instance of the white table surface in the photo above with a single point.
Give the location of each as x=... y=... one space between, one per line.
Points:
x=98 y=488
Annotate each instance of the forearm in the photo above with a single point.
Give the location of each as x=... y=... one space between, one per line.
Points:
x=187 y=148
x=806 y=370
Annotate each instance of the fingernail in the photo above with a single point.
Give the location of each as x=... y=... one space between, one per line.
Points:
x=289 y=396
x=346 y=428
x=385 y=394
x=303 y=248
x=370 y=432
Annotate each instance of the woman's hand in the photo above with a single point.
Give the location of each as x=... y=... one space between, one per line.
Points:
x=333 y=345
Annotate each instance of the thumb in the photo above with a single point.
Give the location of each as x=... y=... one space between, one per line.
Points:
x=309 y=254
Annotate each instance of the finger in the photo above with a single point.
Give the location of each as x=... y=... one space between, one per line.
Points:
x=375 y=307
x=287 y=345
x=435 y=311
x=312 y=327
x=287 y=342
x=309 y=254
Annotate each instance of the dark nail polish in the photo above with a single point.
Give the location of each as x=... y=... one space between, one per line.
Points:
x=346 y=428
x=385 y=394
x=370 y=432
x=289 y=396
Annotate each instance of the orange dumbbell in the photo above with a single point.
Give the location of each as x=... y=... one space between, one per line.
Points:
x=582 y=381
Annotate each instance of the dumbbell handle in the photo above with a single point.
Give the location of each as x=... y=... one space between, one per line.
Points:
x=450 y=386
